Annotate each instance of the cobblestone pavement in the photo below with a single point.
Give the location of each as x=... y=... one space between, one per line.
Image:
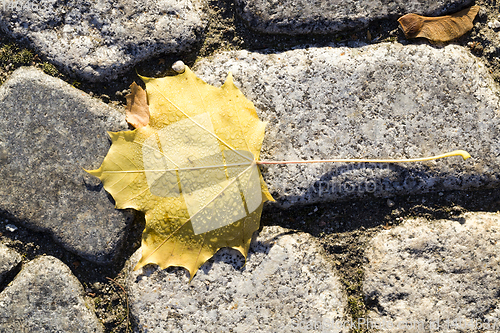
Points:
x=345 y=248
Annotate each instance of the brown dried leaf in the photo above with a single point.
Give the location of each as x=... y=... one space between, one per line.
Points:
x=441 y=28
x=137 y=107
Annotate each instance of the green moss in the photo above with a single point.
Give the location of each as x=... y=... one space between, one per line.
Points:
x=109 y=307
x=6 y=53
x=355 y=304
x=49 y=69
x=390 y=39
x=355 y=283
x=23 y=57
x=356 y=309
x=11 y=53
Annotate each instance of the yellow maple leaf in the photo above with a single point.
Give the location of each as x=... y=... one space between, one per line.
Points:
x=192 y=170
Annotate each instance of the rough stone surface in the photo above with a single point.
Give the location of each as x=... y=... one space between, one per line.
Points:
x=49 y=132
x=447 y=270
x=285 y=285
x=99 y=40
x=8 y=260
x=377 y=101
x=304 y=16
x=46 y=297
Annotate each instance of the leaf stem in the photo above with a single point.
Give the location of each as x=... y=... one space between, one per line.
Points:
x=465 y=155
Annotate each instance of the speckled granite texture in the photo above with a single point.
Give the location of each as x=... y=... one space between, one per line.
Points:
x=446 y=271
x=378 y=101
x=45 y=297
x=402 y=99
x=49 y=133
x=99 y=40
x=303 y=16
x=285 y=285
x=8 y=260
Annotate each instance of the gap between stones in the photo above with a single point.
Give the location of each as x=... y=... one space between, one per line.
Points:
x=342 y=228
x=226 y=31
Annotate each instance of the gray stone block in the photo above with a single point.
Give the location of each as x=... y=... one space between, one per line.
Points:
x=49 y=132
x=295 y=17
x=8 y=260
x=99 y=40
x=429 y=276
x=383 y=101
x=285 y=286
x=45 y=297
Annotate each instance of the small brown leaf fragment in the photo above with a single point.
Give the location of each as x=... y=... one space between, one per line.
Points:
x=137 y=107
x=441 y=28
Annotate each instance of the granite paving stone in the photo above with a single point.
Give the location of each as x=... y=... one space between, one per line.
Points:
x=285 y=285
x=295 y=17
x=9 y=259
x=46 y=297
x=439 y=275
x=49 y=132
x=384 y=101
x=99 y=40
